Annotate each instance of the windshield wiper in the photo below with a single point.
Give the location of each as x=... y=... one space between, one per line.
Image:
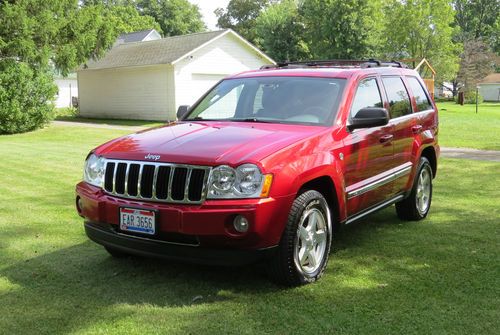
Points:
x=254 y=119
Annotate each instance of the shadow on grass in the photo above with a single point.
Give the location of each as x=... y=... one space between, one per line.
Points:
x=73 y=288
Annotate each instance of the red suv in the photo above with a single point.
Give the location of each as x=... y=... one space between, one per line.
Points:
x=265 y=166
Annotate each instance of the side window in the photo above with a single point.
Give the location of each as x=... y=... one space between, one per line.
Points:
x=367 y=95
x=399 y=100
x=421 y=98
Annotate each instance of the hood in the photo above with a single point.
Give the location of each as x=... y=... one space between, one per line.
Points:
x=207 y=143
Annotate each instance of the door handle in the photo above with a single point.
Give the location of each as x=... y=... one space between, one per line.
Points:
x=416 y=129
x=386 y=138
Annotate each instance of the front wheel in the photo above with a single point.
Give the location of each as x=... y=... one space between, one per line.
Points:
x=418 y=203
x=304 y=248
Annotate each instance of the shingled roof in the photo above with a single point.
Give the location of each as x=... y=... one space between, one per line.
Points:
x=162 y=51
x=493 y=78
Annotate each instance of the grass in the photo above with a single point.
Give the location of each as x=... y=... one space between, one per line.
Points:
x=71 y=115
x=439 y=276
x=460 y=126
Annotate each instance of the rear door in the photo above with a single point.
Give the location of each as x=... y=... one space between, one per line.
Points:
x=403 y=121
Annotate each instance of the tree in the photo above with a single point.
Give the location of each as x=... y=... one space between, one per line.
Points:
x=127 y=19
x=479 y=19
x=240 y=15
x=342 y=28
x=37 y=37
x=422 y=29
x=280 y=32
x=26 y=97
x=175 y=17
x=477 y=62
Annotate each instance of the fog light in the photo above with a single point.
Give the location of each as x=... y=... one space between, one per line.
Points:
x=240 y=223
x=79 y=205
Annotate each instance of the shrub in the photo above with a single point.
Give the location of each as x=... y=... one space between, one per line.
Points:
x=26 y=97
x=470 y=97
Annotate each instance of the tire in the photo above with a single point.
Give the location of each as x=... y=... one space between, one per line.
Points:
x=115 y=253
x=302 y=254
x=416 y=206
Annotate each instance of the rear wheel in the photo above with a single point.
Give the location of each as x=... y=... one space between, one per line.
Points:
x=416 y=206
x=304 y=248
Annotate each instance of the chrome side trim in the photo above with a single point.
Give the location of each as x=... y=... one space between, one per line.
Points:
x=404 y=170
x=374 y=209
x=157 y=165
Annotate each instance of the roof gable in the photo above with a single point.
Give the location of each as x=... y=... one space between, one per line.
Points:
x=138 y=36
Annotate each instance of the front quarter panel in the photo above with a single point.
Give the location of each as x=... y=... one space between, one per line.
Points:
x=304 y=162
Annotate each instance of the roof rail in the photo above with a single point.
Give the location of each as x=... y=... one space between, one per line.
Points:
x=336 y=63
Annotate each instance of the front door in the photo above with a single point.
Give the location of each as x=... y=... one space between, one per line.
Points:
x=370 y=157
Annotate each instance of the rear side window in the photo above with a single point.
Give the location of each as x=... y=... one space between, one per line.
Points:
x=399 y=100
x=421 y=98
x=367 y=95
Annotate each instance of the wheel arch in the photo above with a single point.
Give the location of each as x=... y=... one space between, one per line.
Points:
x=430 y=153
x=326 y=186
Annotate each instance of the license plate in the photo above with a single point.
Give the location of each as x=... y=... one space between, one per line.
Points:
x=137 y=221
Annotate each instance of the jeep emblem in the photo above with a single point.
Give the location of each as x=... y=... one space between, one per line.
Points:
x=152 y=157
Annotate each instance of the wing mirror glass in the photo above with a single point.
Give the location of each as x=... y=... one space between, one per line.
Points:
x=369 y=117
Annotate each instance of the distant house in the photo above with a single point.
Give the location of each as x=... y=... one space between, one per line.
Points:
x=148 y=80
x=67 y=89
x=489 y=87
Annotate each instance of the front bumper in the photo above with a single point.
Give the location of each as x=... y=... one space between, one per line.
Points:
x=107 y=236
x=208 y=225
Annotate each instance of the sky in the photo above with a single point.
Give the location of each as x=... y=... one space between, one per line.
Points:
x=207 y=8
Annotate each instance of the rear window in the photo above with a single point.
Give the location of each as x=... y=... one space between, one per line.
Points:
x=423 y=102
x=399 y=100
x=302 y=100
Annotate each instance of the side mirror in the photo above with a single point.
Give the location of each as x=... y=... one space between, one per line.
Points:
x=182 y=111
x=369 y=117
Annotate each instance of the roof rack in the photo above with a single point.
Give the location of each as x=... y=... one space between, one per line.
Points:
x=336 y=63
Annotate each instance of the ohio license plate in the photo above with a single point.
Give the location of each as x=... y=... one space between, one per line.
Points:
x=137 y=221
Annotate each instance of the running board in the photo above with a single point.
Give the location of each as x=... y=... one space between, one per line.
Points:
x=361 y=215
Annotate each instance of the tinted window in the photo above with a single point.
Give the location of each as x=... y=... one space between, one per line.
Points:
x=421 y=98
x=367 y=95
x=272 y=99
x=399 y=101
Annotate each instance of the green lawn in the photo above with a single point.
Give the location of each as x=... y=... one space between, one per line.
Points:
x=439 y=276
x=460 y=126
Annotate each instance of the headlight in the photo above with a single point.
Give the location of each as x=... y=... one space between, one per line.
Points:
x=246 y=181
x=94 y=170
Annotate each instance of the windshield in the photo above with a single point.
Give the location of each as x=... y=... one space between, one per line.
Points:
x=310 y=101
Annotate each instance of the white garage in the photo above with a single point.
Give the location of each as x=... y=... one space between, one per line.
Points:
x=489 y=87
x=148 y=80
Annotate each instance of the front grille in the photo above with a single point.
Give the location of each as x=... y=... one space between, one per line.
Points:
x=164 y=182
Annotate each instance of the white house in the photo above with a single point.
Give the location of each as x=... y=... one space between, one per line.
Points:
x=489 y=87
x=148 y=80
x=67 y=88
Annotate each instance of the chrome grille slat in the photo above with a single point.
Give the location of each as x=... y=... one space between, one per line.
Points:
x=170 y=180
x=186 y=185
x=114 y=177
x=155 y=176
x=139 y=182
x=152 y=168
x=127 y=170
